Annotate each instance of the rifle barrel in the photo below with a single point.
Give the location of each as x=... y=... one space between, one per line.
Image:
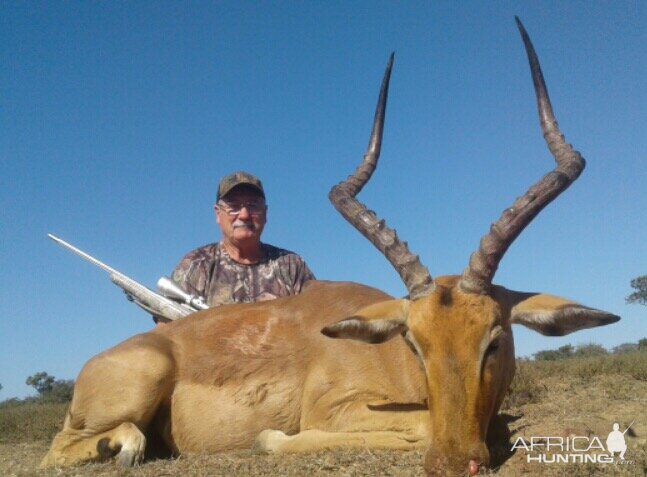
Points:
x=84 y=255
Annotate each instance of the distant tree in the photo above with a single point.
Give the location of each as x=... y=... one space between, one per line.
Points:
x=62 y=390
x=640 y=295
x=569 y=351
x=642 y=344
x=591 y=349
x=625 y=348
x=41 y=382
x=562 y=352
x=51 y=389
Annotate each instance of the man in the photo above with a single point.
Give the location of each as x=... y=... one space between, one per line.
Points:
x=240 y=268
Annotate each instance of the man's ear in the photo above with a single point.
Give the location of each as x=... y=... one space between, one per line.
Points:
x=554 y=316
x=375 y=323
x=215 y=211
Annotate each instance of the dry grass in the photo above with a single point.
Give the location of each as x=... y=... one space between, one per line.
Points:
x=578 y=396
x=30 y=422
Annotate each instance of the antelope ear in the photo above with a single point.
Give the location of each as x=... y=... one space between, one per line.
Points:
x=375 y=323
x=554 y=316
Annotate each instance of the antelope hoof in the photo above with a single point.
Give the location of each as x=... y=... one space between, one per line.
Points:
x=132 y=453
x=268 y=441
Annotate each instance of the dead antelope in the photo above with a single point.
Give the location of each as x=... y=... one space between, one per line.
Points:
x=265 y=374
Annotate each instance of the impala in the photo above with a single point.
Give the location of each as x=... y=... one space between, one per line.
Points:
x=268 y=374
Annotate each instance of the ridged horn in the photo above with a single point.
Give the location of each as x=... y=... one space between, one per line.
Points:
x=415 y=276
x=477 y=277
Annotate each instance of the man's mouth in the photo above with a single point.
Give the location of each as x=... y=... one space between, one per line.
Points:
x=239 y=225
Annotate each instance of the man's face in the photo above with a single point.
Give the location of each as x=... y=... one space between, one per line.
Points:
x=241 y=215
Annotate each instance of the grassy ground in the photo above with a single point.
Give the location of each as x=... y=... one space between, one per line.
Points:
x=578 y=396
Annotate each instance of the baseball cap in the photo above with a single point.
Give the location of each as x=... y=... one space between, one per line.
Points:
x=227 y=183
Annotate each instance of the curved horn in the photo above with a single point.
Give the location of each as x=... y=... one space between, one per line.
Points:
x=415 y=276
x=483 y=263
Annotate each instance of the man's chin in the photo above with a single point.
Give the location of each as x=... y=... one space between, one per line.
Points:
x=244 y=234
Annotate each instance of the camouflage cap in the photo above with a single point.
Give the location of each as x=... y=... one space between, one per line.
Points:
x=227 y=183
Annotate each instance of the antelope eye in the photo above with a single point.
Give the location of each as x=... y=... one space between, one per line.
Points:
x=493 y=347
x=488 y=361
x=495 y=340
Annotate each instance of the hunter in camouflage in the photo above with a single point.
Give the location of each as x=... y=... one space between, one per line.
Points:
x=240 y=268
x=210 y=272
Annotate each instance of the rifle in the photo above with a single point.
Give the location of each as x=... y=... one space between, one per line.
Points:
x=174 y=302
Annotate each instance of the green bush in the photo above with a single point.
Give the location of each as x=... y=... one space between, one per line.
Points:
x=591 y=349
x=562 y=352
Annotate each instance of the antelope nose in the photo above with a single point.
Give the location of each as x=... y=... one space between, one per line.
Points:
x=474 y=467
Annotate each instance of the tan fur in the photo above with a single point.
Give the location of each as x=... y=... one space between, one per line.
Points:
x=215 y=380
x=264 y=374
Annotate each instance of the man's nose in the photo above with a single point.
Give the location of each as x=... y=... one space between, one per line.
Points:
x=244 y=213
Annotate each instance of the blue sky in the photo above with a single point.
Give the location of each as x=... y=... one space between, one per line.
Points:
x=118 y=118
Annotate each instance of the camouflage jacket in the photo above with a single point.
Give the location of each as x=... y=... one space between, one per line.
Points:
x=210 y=272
